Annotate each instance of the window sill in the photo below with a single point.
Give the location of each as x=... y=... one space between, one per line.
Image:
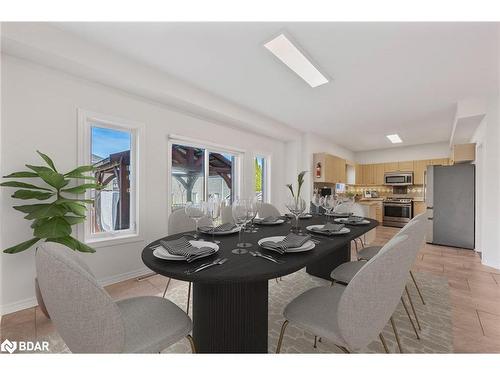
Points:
x=114 y=241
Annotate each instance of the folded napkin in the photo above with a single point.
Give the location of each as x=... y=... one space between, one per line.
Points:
x=268 y=219
x=291 y=241
x=305 y=214
x=182 y=247
x=355 y=219
x=220 y=228
x=329 y=228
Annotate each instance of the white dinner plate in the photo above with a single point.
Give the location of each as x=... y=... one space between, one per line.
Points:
x=338 y=214
x=345 y=220
x=311 y=228
x=220 y=233
x=309 y=245
x=279 y=221
x=161 y=253
x=301 y=216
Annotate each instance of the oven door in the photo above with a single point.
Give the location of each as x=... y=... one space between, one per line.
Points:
x=397 y=212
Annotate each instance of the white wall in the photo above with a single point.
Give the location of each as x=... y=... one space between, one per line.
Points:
x=404 y=153
x=39 y=111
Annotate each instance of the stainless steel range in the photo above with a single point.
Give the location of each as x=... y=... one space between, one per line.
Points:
x=397 y=211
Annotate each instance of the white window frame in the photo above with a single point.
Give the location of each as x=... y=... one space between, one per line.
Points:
x=208 y=147
x=266 y=175
x=87 y=119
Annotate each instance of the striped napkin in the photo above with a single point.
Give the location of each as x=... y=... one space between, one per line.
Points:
x=291 y=241
x=329 y=228
x=220 y=228
x=355 y=219
x=268 y=219
x=182 y=247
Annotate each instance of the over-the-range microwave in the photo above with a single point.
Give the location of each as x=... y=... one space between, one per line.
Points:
x=398 y=178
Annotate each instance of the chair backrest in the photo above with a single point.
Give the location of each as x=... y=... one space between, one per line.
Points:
x=373 y=294
x=357 y=209
x=83 y=312
x=179 y=222
x=267 y=209
x=345 y=207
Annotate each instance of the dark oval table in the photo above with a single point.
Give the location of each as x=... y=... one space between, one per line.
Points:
x=230 y=301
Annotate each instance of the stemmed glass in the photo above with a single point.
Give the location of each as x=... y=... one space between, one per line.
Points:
x=240 y=215
x=328 y=204
x=296 y=206
x=253 y=206
x=317 y=202
x=195 y=211
x=214 y=212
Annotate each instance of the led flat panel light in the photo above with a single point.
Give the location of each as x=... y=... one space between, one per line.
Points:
x=290 y=55
x=394 y=138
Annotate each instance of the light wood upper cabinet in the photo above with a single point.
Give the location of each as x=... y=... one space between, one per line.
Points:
x=463 y=153
x=391 y=167
x=444 y=161
x=419 y=167
x=405 y=166
x=359 y=174
x=379 y=174
x=369 y=174
x=333 y=168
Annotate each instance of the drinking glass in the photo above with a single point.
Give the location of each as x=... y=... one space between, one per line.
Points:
x=317 y=202
x=328 y=204
x=195 y=211
x=253 y=205
x=240 y=215
x=296 y=206
x=214 y=206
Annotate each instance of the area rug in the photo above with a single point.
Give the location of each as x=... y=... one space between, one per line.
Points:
x=435 y=318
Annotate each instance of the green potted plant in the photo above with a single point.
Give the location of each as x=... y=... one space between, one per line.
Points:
x=59 y=208
x=295 y=203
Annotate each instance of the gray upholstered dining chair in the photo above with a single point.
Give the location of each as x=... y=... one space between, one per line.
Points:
x=370 y=251
x=89 y=321
x=267 y=209
x=415 y=230
x=352 y=316
x=179 y=222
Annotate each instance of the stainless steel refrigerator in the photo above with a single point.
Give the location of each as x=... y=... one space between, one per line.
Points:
x=450 y=199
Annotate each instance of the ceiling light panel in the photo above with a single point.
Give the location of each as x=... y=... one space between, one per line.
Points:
x=394 y=138
x=290 y=55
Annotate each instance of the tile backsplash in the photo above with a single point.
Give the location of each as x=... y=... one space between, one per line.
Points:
x=412 y=191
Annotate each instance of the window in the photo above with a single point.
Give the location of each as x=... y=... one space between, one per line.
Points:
x=198 y=173
x=110 y=145
x=260 y=179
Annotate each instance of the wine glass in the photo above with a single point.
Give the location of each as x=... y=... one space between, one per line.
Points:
x=296 y=206
x=213 y=212
x=240 y=215
x=195 y=211
x=328 y=204
x=317 y=202
x=253 y=205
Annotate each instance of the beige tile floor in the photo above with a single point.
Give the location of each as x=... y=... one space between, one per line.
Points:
x=474 y=292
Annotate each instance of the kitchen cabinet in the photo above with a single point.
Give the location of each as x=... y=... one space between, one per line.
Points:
x=418 y=208
x=369 y=174
x=463 y=153
x=359 y=174
x=379 y=174
x=405 y=166
x=333 y=168
x=391 y=167
x=443 y=161
x=419 y=167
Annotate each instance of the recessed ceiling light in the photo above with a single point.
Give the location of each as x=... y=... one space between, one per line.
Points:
x=290 y=55
x=394 y=138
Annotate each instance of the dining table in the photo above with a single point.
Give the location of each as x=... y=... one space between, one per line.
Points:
x=230 y=301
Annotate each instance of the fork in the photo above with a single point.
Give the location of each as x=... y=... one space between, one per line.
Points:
x=205 y=266
x=265 y=256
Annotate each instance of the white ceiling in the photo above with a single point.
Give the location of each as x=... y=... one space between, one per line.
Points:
x=386 y=78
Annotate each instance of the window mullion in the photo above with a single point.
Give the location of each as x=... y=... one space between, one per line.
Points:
x=206 y=174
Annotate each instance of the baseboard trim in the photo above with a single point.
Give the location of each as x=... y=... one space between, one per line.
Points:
x=32 y=302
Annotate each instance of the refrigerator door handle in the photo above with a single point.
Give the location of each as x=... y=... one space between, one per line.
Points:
x=425 y=183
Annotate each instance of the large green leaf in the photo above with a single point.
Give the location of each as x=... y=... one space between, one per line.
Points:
x=63 y=200
x=21 y=175
x=77 y=208
x=46 y=211
x=72 y=220
x=72 y=243
x=82 y=177
x=22 y=185
x=48 y=160
x=31 y=194
x=77 y=172
x=38 y=222
x=22 y=246
x=53 y=228
x=54 y=179
x=80 y=189
x=28 y=208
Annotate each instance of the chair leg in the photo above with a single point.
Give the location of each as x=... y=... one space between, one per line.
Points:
x=166 y=287
x=315 y=339
x=409 y=317
x=280 y=340
x=396 y=335
x=189 y=298
x=191 y=342
x=384 y=344
x=413 y=308
x=344 y=349
x=416 y=286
